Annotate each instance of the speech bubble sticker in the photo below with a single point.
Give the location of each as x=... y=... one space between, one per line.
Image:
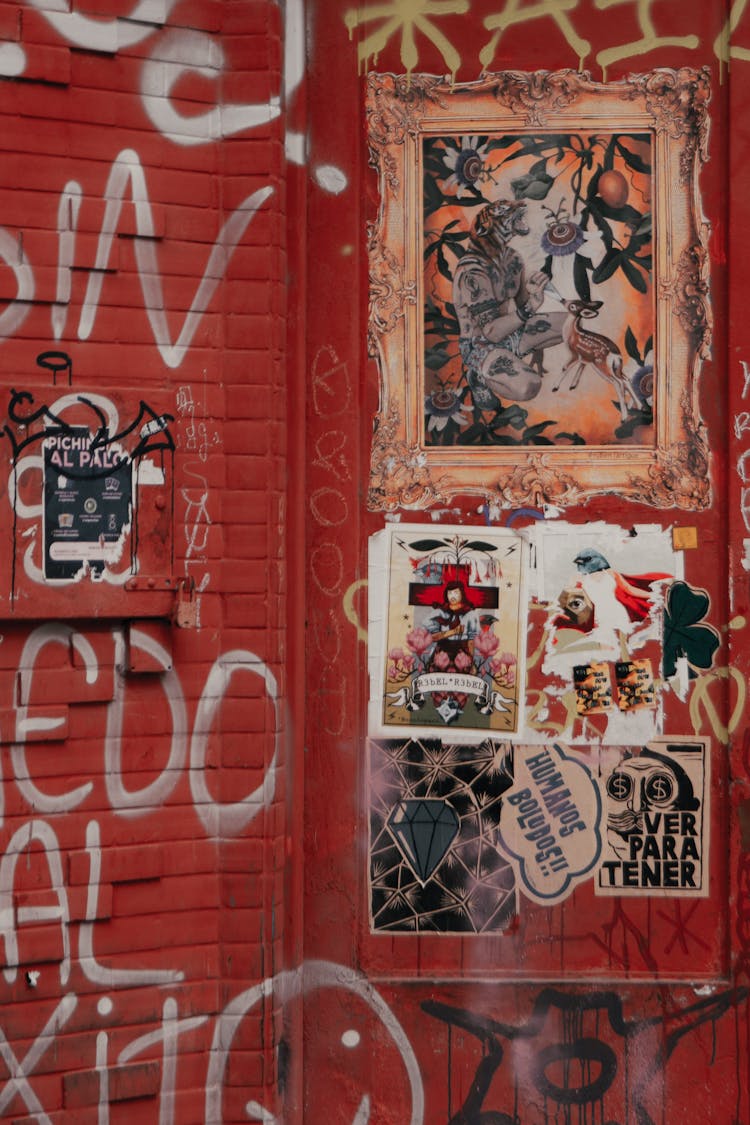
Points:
x=550 y=822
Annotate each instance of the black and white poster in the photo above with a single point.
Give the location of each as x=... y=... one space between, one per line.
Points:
x=657 y=820
x=88 y=498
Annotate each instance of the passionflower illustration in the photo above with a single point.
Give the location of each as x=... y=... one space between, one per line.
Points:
x=466 y=165
x=444 y=406
x=563 y=236
x=560 y=239
x=564 y=242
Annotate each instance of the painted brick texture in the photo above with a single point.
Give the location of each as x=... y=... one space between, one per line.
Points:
x=144 y=798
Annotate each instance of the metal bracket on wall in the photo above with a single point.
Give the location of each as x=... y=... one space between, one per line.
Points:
x=143 y=583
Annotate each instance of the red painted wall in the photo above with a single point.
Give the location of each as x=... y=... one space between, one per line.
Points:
x=184 y=844
x=594 y=1009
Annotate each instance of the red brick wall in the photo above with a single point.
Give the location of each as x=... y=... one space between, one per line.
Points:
x=191 y=249
x=145 y=807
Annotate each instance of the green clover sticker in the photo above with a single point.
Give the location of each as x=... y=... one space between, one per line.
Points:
x=684 y=607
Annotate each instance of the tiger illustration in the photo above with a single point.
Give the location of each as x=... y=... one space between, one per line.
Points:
x=502 y=334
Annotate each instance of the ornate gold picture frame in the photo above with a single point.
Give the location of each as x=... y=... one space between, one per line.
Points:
x=539 y=288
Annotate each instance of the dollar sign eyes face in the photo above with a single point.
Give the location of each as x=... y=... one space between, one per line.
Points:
x=619 y=786
x=659 y=788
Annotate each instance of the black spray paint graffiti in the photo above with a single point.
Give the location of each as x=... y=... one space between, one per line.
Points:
x=152 y=429
x=56 y=362
x=88 y=470
x=574 y=1072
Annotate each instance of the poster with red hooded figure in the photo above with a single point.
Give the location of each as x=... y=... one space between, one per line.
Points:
x=447 y=626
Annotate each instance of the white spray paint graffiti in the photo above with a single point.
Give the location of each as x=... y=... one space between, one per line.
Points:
x=285 y=986
x=167 y=1035
x=68 y=211
x=226 y=819
x=218 y=819
x=229 y=819
x=174 y=1030
x=38 y=639
x=22 y=839
x=183 y=52
x=195 y=438
x=742 y=423
x=197 y=521
x=178 y=52
x=18 y=1082
x=136 y=802
x=127 y=170
x=12 y=254
x=95 y=972
x=105 y=35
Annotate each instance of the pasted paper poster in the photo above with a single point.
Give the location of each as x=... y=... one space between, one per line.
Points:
x=88 y=502
x=598 y=663
x=550 y=822
x=435 y=863
x=447 y=608
x=657 y=820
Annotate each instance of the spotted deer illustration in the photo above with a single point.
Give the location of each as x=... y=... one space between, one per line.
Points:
x=592 y=349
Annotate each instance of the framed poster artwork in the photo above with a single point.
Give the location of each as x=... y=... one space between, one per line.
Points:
x=539 y=299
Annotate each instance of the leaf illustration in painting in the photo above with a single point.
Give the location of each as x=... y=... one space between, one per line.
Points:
x=631 y=346
x=633 y=160
x=478 y=545
x=514 y=416
x=581 y=266
x=635 y=418
x=427 y=544
x=609 y=264
x=623 y=214
x=532 y=432
x=644 y=228
x=633 y=276
x=684 y=608
x=474 y=434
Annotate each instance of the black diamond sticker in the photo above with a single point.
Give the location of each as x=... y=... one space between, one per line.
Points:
x=423 y=830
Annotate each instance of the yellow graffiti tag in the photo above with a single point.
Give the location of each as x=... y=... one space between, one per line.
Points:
x=650 y=40
x=536 y=656
x=701 y=700
x=515 y=13
x=350 y=612
x=408 y=17
x=723 y=48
